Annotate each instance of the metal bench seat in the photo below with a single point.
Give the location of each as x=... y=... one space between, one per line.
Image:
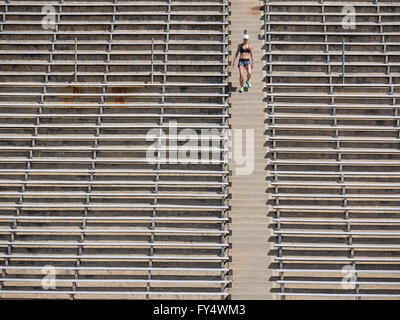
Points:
x=334 y=208
x=338 y=233
x=116 y=195
x=325 y=162
x=105 y=137
x=355 y=95
x=108 y=244
x=128 y=149
x=109 y=230
x=107 y=268
x=111 y=105
x=337 y=246
x=116 y=171
x=110 y=63
x=114 y=219
x=332 y=23
x=362 y=197
x=339 y=295
x=333 y=75
x=334 y=139
x=159 y=3
x=96 y=95
x=331 y=33
x=213 y=136
x=109 y=257
x=60 y=281
x=294 y=3
x=111 y=160
x=296 y=105
x=361 y=271
x=333 y=53
x=338 y=184
x=333 y=150
x=135 y=6
x=110 y=115
x=355 y=221
x=333 y=127
x=329 y=259
x=130 y=74
x=332 y=63
x=110 y=84
x=114 y=293
x=113 y=182
x=113 y=126
x=125 y=22
x=330 y=117
x=332 y=85
x=322 y=174
x=327 y=14
x=335 y=282
x=113 y=42
x=116 y=14
x=108 y=33
x=114 y=206
x=330 y=43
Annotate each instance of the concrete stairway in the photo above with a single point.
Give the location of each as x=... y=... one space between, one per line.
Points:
x=249 y=224
x=79 y=197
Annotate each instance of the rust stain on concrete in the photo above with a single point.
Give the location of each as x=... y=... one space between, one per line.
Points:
x=78 y=90
x=75 y=90
x=119 y=99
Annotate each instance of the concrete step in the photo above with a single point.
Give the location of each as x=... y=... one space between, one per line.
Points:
x=248 y=226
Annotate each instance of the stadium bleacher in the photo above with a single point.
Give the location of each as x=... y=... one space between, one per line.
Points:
x=78 y=195
x=334 y=147
x=82 y=83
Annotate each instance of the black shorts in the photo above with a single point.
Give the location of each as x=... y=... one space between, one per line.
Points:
x=244 y=62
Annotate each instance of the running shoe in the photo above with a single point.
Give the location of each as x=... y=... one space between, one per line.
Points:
x=248 y=84
x=241 y=90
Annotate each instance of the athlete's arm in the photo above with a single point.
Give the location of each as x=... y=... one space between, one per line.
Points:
x=236 y=55
x=252 y=55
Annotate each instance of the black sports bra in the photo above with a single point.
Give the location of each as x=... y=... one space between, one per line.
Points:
x=244 y=50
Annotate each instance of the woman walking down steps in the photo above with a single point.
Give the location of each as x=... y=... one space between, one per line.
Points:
x=246 y=51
